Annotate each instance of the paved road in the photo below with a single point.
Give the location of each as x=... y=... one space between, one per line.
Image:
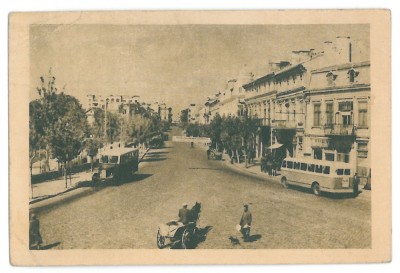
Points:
x=127 y=215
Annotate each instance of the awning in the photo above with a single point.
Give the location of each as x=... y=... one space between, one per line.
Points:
x=275 y=146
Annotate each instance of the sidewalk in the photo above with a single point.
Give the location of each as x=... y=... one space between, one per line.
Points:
x=255 y=171
x=48 y=189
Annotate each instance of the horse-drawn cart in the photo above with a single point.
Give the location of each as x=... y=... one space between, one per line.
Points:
x=176 y=232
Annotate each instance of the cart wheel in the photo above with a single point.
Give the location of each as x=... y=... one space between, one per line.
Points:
x=185 y=239
x=160 y=240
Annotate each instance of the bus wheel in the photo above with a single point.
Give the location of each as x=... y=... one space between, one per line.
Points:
x=284 y=183
x=316 y=189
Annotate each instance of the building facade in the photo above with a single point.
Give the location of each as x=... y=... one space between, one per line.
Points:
x=315 y=106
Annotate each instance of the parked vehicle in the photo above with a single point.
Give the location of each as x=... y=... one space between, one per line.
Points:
x=320 y=176
x=215 y=154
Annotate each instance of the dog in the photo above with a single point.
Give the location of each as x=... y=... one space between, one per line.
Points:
x=234 y=241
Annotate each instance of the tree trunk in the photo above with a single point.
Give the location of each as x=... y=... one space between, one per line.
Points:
x=65 y=174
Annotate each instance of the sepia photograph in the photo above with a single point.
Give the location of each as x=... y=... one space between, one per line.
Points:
x=179 y=131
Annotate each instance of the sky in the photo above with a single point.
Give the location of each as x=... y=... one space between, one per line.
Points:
x=175 y=64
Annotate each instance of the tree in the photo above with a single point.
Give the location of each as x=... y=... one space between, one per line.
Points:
x=184 y=115
x=67 y=134
x=57 y=123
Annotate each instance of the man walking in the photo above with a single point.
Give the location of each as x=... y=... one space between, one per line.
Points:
x=184 y=214
x=356 y=182
x=245 y=222
x=35 y=238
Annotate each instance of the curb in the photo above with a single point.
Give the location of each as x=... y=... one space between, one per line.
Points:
x=249 y=172
x=39 y=199
x=51 y=196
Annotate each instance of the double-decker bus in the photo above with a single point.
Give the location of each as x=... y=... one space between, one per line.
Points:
x=119 y=162
x=320 y=176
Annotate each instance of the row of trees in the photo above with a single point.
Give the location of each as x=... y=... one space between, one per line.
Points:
x=234 y=134
x=58 y=126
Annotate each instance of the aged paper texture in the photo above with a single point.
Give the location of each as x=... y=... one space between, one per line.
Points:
x=247 y=137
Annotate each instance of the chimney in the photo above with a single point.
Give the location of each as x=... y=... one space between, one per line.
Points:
x=344 y=49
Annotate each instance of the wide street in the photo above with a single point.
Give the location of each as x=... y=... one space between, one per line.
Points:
x=127 y=215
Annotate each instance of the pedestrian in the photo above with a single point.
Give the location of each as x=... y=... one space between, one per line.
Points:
x=245 y=222
x=35 y=238
x=184 y=214
x=356 y=182
x=208 y=153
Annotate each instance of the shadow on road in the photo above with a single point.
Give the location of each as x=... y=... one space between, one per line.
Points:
x=214 y=169
x=113 y=181
x=201 y=237
x=337 y=196
x=156 y=153
x=253 y=238
x=153 y=159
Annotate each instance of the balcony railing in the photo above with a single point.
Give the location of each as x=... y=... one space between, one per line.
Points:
x=263 y=122
x=287 y=124
x=340 y=129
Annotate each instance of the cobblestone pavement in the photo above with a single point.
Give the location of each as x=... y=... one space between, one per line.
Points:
x=127 y=215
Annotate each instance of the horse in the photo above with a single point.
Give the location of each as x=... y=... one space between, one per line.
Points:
x=194 y=212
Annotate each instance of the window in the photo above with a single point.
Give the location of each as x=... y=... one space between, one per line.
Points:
x=329 y=113
x=362 y=150
x=318 y=168
x=311 y=167
x=346 y=119
x=303 y=166
x=114 y=159
x=327 y=170
x=339 y=171
x=284 y=164
x=290 y=165
x=296 y=165
x=104 y=159
x=343 y=157
x=329 y=156
x=352 y=75
x=362 y=114
x=346 y=171
x=317 y=114
x=318 y=154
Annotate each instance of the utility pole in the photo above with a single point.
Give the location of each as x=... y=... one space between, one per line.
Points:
x=105 y=122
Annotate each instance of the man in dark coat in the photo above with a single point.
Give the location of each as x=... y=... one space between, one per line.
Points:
x=356 y=182
x=245 y=222
x=184 y=214
x=35 y=239
x=208 y=153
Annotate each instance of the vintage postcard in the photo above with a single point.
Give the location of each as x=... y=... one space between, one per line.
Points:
x=200 y=137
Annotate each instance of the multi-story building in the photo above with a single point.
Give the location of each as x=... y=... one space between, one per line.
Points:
x=315 y=106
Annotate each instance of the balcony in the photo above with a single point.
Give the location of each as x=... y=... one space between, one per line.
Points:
x=340 y=129
x=288 y=124
x=263 y=122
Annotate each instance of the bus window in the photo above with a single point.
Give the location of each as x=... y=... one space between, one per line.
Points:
x=290 y=165
x=284 y=164
x=311 y=167
x=303 y=166
x=318 y=168
x=327 y=170
x=296 y=165
x=339 y=171
x=346 y=171
x=104 y=159
x=114 y=159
